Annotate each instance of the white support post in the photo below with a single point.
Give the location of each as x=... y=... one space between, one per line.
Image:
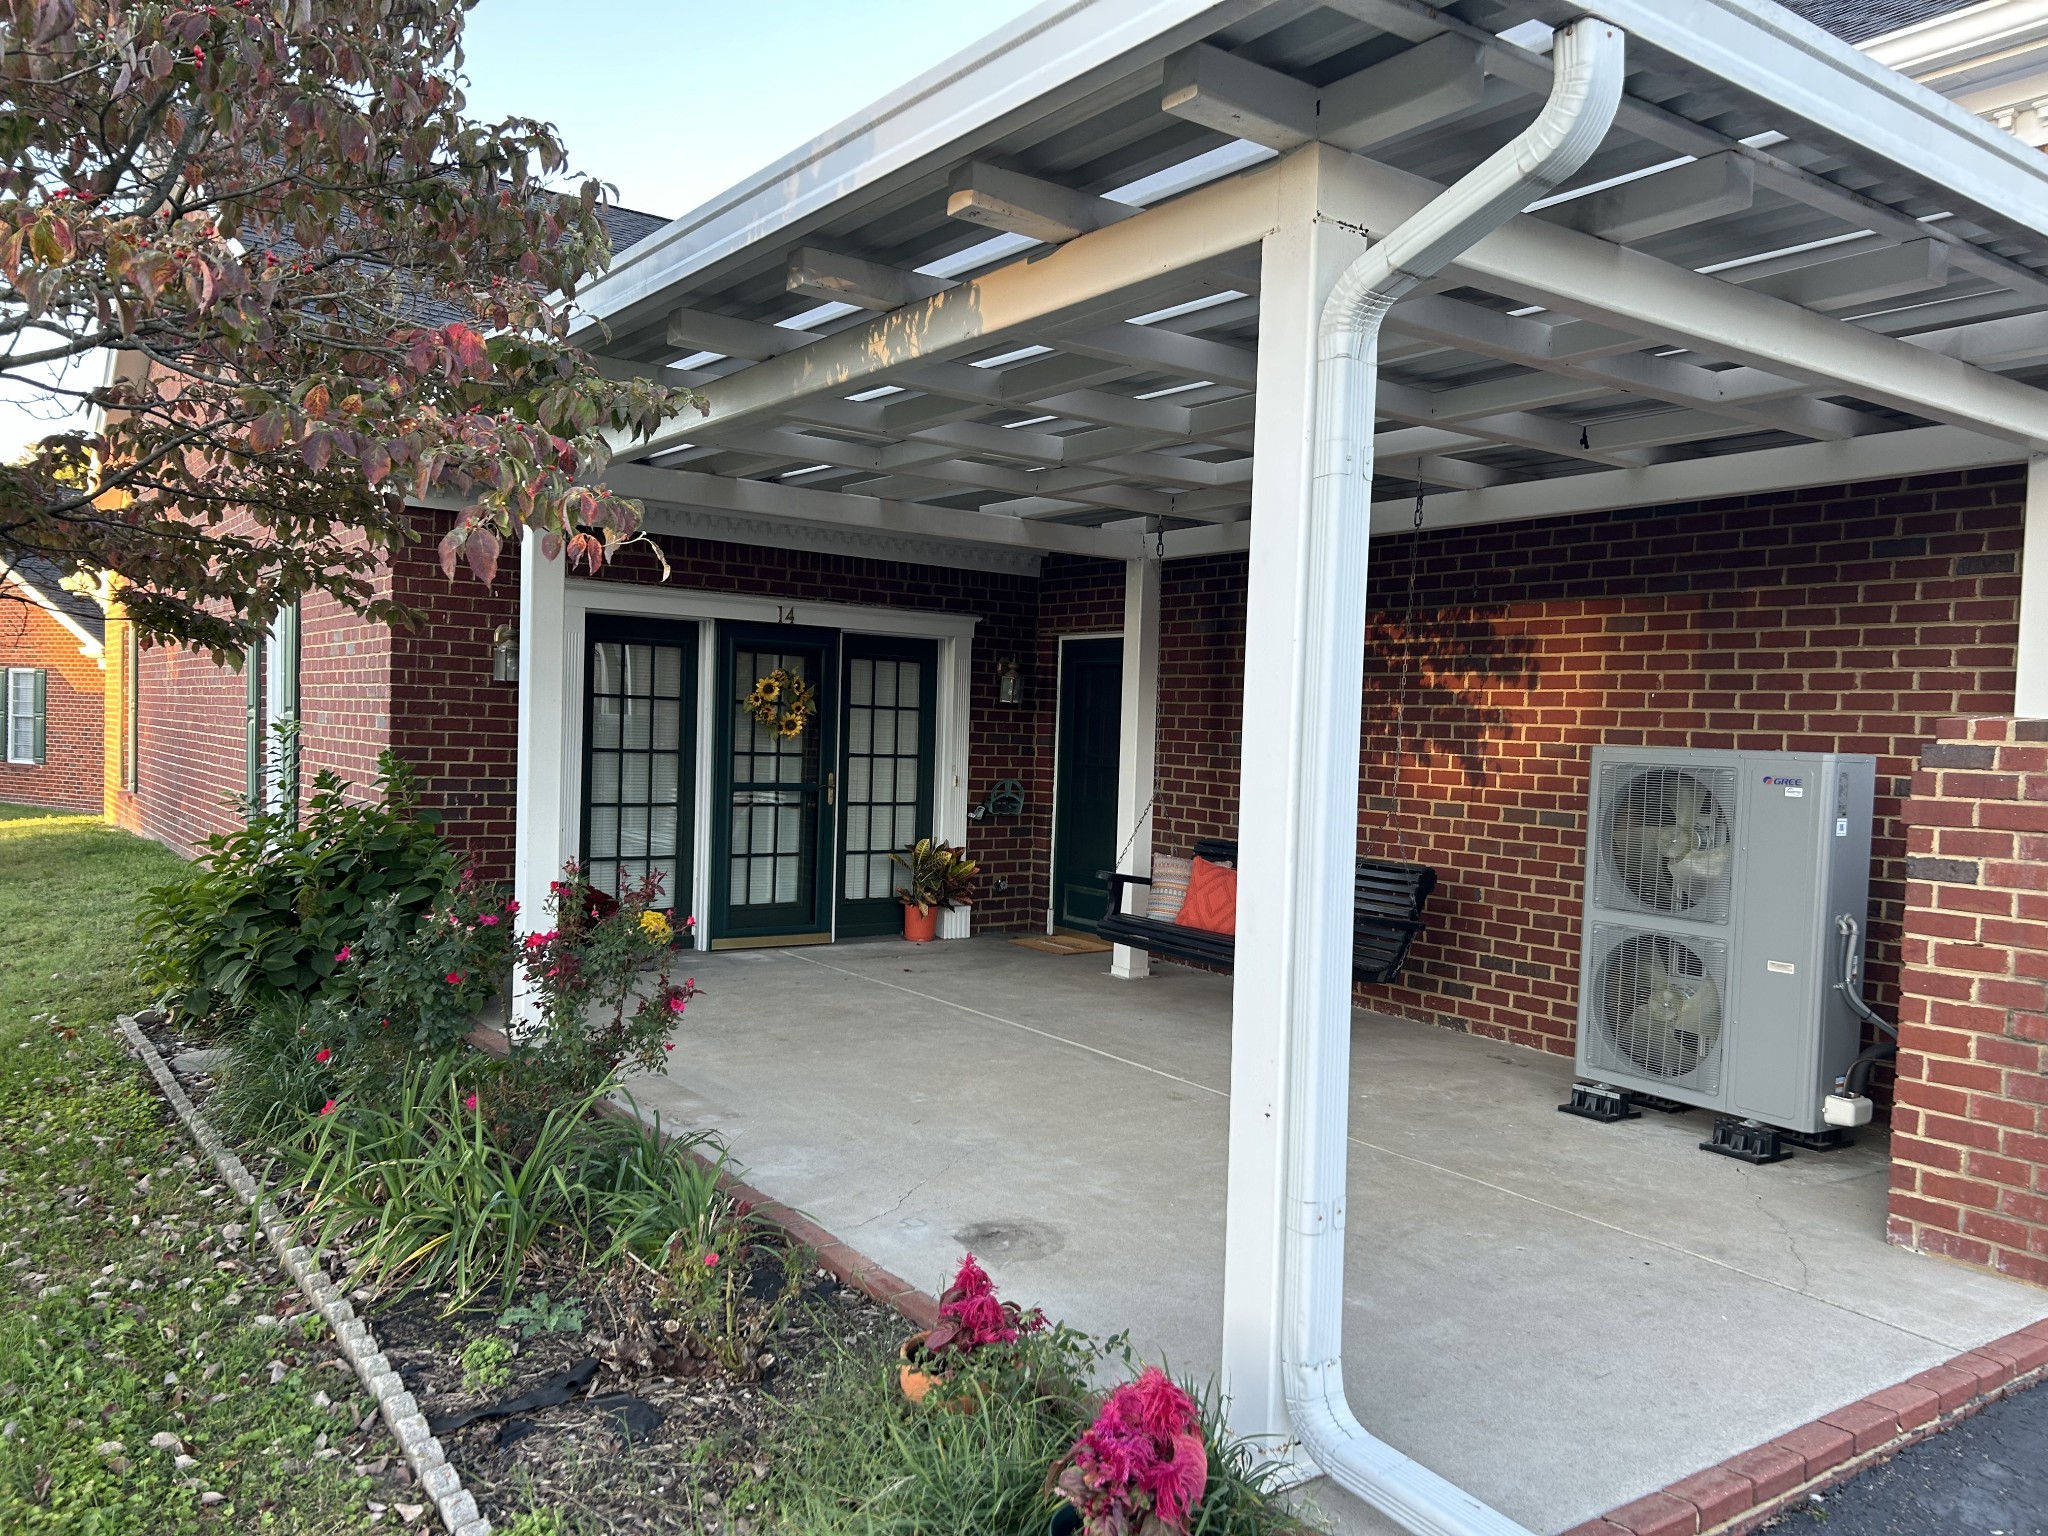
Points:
x=2030 y=692
x=1297 y=746
x=1136 y=755
x=546 y=736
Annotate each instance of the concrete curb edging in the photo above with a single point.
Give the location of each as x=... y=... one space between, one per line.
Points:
x=436 y=1476
x=1736 y=1496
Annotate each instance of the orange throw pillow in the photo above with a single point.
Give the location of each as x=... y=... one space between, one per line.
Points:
x=1212 y=899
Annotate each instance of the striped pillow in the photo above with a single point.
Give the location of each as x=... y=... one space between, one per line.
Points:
x=1169 y=887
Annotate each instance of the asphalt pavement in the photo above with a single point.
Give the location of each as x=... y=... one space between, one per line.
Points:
x=1988 y=1476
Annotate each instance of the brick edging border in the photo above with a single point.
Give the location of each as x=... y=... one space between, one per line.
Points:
x=1738 y=1495
x=436 y=1475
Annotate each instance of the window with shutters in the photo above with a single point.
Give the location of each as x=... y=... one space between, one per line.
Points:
x=25 y=714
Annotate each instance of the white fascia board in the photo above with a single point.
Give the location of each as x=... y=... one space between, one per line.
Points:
x=1043 y=60
x=773 y=499
x=1762 y=48
x=1889 y=455
x=87 y=644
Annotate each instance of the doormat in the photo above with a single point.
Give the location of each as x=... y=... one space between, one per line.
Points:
x=1064 y=943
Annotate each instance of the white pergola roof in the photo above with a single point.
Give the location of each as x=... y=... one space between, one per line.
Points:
x=1016 y=303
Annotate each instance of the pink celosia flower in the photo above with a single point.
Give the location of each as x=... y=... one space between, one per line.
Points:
x=327 y=1108
x=323 y=1055
x=1143 y=1455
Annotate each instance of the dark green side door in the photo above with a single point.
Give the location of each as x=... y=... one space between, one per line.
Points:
x=1084 y=834
x=884 y=788
x=771 y=808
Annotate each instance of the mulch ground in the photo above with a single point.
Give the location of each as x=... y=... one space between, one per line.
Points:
x=645 y=1434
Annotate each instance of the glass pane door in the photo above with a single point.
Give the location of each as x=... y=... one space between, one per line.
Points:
x=885 y=781
x=774 y=770
x=637 y=757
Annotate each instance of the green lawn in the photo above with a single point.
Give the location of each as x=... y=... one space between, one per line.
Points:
x=125 y=1313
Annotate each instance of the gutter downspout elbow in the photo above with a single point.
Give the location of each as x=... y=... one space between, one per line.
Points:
x=1585 y=94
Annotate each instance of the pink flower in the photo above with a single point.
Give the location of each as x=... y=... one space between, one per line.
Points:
x=489 y=920
x=470 y=1102
x=323 y=1055
x=711 y=1261
x=668 y=1045
x=455 y=978
x=343 y=955
x=689 y=922
x=511 y=909
x=677 y=1002
x=327 y=1108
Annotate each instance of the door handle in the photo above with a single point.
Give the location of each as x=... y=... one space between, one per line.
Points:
x=831 y=789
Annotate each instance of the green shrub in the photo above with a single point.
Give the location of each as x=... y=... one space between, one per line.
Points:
x=262 y=917
x=486 y=1365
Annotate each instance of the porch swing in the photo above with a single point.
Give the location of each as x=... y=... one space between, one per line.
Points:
x=1386 y=894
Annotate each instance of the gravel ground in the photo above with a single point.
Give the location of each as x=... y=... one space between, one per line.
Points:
x=1988 y=1476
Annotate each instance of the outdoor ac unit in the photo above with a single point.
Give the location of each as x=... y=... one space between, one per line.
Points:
x=1710 y=951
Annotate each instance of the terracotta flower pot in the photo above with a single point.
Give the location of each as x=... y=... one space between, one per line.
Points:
x=920 y=927
x=918 y=1383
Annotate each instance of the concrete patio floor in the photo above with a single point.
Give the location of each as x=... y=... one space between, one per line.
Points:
x=1557 y=1315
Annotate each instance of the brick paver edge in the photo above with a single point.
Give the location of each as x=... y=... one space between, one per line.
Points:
x=1786 y=1470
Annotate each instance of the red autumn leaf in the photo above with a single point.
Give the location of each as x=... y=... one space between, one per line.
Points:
x=482 y=553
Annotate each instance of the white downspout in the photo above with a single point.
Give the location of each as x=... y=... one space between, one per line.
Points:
x=1587 y=89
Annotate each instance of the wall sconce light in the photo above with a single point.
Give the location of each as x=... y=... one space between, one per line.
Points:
x=505 y=654
x=1009 y=682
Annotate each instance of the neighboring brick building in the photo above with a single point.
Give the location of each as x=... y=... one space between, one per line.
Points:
x=52 y=658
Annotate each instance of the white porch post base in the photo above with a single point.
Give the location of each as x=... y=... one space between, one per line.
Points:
x=1304 y=635
x=546 y=736
x=1136 y=755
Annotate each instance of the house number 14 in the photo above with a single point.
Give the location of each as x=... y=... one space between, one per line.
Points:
x=784 y=615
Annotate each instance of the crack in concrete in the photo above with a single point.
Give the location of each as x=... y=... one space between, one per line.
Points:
x=904 y=1199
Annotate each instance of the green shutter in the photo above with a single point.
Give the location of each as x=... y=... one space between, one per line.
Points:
x=41 y=697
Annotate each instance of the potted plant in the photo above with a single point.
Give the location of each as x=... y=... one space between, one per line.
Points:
x=971 y=1318
x=940 y=876
x=1138 y=1470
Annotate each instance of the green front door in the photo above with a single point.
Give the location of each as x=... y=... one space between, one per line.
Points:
x=639 y=735
x=771 y=806
x=1084 y=833
x=884 y=790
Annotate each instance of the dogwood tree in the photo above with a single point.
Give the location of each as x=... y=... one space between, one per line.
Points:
x=326 y=293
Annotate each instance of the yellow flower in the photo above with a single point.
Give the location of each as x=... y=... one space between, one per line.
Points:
x=656 y=927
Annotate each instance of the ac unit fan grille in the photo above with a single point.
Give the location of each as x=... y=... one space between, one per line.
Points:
x=1658 y=1005
x=1666 y=841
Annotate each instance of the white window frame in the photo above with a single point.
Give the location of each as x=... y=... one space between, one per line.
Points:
x=21 y=752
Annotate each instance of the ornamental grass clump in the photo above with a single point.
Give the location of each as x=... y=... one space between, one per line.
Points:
x=1141 y=1468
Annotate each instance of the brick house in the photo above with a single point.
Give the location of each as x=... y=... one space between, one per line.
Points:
x=53 y=655
x=1737 y=442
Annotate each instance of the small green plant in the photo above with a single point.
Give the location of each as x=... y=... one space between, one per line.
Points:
x=538 y=1522
x=539 y=1315
x=940 y=875
x=428 y=1195
x=486 y=1365
x=270 y=911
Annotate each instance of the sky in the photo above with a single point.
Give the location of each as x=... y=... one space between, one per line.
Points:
x=674 y=100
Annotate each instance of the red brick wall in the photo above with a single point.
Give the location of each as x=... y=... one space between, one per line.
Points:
x=73 y=685
x=1970 y=1118
x=189 y=762
x=455 y=726
x=1004 y=741
x=1849 y=618
x=344 y=690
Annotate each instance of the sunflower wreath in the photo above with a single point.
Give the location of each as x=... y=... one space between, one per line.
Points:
x=784 y=703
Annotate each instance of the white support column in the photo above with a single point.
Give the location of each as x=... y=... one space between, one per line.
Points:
x=546 y=736
x=1300 y=756
x=1136 y=771
x=2030 y=693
